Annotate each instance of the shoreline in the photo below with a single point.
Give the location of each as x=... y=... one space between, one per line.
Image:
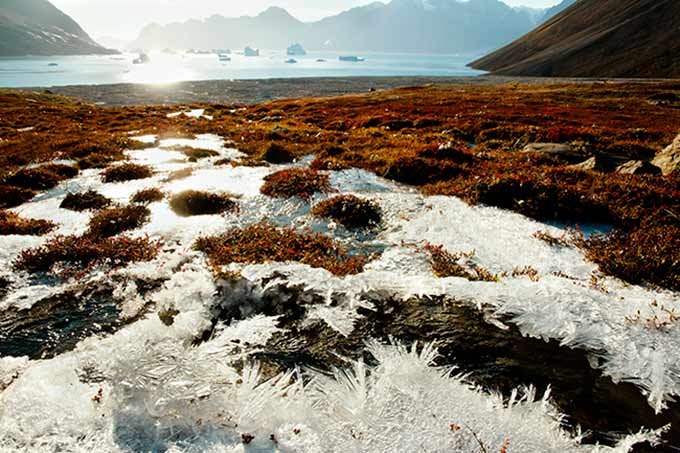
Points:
x=255 y=91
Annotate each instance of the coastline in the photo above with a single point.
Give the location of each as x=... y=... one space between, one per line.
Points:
x=255 y=91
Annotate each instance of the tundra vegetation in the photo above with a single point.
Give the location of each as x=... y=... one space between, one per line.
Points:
x=459 y=140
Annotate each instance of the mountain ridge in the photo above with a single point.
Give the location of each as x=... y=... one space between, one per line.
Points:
x=36 y=27
x=597 y=38
x=437 y=26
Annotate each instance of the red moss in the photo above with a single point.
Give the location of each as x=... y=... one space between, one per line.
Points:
x=350 y=211
x=82 y=251
x=147 y=196
x=126 y=172
x=35 y=178
x=12 y=196
x=275 y=153
x=84 y=201
x=113 y=221
x=445 y=264
x=11 y=223
x=295 y=182
x=263 y=243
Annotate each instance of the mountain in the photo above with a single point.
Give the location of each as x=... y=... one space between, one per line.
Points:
x=438 y=26
x=555 y=10
x=36 y=27
x=597 y=38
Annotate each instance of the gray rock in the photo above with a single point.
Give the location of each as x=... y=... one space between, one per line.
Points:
x=638 y=167
x=559 y=150
x=668 y=160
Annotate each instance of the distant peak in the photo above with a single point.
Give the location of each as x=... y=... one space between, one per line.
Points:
x=275 y=11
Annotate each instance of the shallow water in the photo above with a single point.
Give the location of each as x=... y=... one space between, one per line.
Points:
x=164 y=68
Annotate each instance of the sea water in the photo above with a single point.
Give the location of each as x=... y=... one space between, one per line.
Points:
x=167 y=67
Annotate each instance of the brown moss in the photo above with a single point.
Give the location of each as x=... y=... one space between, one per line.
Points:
x=649 y=253
x=275 y=153
x=82 y=251
x=126 y=172
x=194 y=202
x=446 y=264
x=295 y=182
x=35 y=178
x=350 y=211
x=147 y=196
x=98 y=160
x=12 y=196
x=263 y=243
x=11 y=223
x=113 y=221
x=84 y=201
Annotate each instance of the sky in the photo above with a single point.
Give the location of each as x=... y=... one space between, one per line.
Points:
x=123 y=19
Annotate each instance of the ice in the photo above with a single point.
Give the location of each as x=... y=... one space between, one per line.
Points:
x=161 y=392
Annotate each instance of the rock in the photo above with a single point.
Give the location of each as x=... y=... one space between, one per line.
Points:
x=668 y=160
x=638 y=167
x=559 y=150
x=596 y=163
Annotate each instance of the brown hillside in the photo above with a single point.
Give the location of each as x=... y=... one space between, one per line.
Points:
x=597 y=38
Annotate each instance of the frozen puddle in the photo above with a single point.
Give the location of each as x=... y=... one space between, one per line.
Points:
x=148 y=387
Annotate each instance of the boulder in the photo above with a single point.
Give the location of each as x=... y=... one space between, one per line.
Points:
x=668 y=160
x=595 y=163
x=560 y=150
x=638 y=167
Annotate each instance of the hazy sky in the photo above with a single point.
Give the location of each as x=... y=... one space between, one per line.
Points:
x=124 y=18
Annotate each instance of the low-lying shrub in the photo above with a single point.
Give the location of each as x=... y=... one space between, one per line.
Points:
x=126 y=172
x=113 y=221
x=61 y=170
x=83 y=251
x=11 y=223
x=35 y=178
x=98 y=160
x=194 y=202
x=147 y=196
x=275 y=153
x=263 y=243
x=12 y=196
x=419 y=171
x=446 y=264
x=295 y=182
x=84 y=201
x=349 y=211
x=647 y=254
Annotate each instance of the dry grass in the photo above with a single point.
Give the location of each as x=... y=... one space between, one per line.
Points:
x=113 y=221
x=446 y=264
x=194 y=202
x=295 y=182
x=147 y=196
x=11 y=196
x=126 y=172
x=85 y=201
x=11 y=223
x=78 y=252
x=263 y=243
x=349 y=211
